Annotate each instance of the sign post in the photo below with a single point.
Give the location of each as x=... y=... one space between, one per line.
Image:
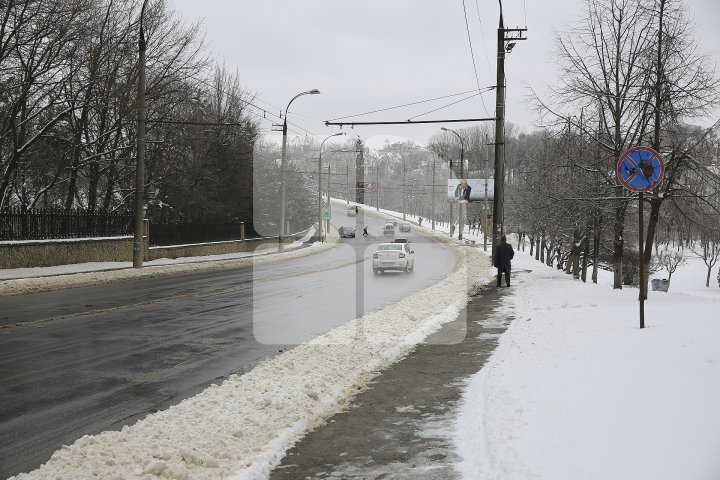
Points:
x=640 y=169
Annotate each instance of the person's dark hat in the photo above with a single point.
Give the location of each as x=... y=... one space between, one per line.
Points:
x=503 y=238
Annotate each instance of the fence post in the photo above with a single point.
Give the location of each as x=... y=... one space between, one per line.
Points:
x=242 y=231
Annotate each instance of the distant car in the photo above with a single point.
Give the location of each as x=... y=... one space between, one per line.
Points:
x=401 y=240
x=346 y=232
x=351 y=212
x=393 y=256
x=389 y=230
x=405 y=227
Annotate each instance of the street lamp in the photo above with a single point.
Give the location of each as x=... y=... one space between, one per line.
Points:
x=462 y=149
x=138 y=249
x=281 y=236
x=432 y=188
x=461 y=216
x=320 y=229
x=328 y=180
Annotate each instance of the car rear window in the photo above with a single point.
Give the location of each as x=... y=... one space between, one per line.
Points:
x=390 y=247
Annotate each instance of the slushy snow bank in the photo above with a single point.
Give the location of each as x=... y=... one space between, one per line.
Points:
x=242 y=428
x=576 y=390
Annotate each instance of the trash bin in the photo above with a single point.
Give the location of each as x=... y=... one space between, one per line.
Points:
x=660 y=284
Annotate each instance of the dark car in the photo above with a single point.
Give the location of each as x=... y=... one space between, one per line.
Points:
x=346 y=232
x=401 y=240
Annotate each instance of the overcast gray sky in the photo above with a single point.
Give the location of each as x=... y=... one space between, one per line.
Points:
x=365 y=55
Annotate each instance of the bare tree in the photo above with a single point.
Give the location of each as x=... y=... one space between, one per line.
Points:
x=681 y=86
x=670 y=261
x=38 y=40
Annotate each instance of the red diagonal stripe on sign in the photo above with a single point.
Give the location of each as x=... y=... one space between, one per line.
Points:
x=637 y=169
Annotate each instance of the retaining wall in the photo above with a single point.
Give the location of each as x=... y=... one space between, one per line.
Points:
x=50 y=253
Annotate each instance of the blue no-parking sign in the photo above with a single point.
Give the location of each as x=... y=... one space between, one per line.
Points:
x=640 y=169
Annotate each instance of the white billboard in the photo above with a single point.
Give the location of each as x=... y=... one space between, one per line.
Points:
x=468 y=190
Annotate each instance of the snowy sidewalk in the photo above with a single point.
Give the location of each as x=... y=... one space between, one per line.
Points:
x=401 y=426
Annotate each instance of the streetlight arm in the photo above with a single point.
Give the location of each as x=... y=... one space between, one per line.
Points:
x=314 y=91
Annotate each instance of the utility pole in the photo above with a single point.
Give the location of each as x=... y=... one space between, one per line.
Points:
x=320 y=228
x=432 y=214
x=499 y=181
x=138 y=241
x=360 y=172
x=404 y=190
x=377 y=187
x=486 y=209
x=461 y=206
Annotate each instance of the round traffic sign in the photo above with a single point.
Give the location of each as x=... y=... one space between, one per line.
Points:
x=640 y=169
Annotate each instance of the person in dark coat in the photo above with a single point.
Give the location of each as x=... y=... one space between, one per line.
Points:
x=503 y=255
x=462 y=192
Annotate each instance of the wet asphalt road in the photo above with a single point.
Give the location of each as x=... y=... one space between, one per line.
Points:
x=84 y=360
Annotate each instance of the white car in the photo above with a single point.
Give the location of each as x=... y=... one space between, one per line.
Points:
x=351 y=212
x=393 y=256
x=389 y=230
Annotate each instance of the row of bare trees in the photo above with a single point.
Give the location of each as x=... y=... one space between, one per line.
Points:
x=631 y=74
x=68 y=118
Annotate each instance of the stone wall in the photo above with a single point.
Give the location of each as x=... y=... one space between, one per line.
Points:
x=219 y=248
x=49 y=253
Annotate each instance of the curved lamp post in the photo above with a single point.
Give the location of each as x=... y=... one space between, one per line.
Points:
x=281 y=236
x=462 y=149
x=320 y=229
x=461 y=216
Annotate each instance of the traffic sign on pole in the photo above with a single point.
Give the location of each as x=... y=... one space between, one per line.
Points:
x=325 y=211
x=640 y=169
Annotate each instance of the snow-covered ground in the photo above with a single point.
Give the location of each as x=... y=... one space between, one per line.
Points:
x=576 y=390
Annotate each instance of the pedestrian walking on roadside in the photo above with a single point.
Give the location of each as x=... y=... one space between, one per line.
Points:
x=365 y=231
x=419 y=221
x=503 y=255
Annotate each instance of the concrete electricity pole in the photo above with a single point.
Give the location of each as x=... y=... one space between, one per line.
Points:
x=138 y=243
x=498 y=196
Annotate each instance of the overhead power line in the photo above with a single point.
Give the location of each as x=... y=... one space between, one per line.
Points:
x=482 y=35
x=411 y=122
x=404 y=105
x=472 y=55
